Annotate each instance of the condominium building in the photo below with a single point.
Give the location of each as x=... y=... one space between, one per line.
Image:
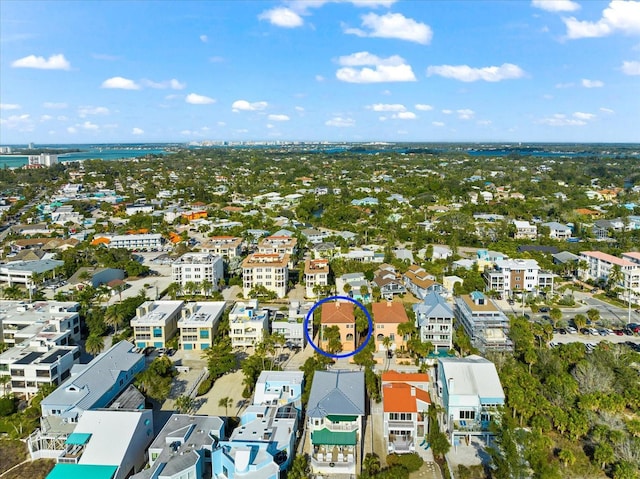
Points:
x=53 y=323
x=278 y=244
x=485 y=324
x=32 y=365
x=316 y=276
x=145 y=241
x=517 y=275
x=199 y=269
x=227 y=246
x=43 y=159
x=434 y=320
x=199 y=324
x=600 y=266
x=23 y=272
x=266 y=269
x=247 y=323
x=155 y=323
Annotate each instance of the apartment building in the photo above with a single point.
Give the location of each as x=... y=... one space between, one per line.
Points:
x=387 y=316
x=405 y=404
x=485 y=324
x=334 y=416
x=226 y=246
x=434 y=320
x=471 y=394
x=600 y=265
x=248 y=324
x=510 y=276
x=142 y=242
x=266 y=269
x=340 y=314
x=23 y=272
x=155 y=323
x=316 y=276
x=198 y=324
x=55 y=323
x=200 y=269
x=279 y=244
x=32 y=364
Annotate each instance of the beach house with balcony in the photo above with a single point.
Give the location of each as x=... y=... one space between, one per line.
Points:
x=334 y=416
x=247 y=323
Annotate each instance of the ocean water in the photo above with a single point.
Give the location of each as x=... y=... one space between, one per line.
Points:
x=87 y=153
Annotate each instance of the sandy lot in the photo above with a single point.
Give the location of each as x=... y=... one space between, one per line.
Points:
x=229 y=385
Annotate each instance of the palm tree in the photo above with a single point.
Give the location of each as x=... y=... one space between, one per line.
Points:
x=190 y=287
x=206 y=286
x=184 y=404
x=173 y=289
x=347 y=288
x=580 y=320
x=4 y=380
x=615 y=277
x=567 y=457
x=114 y=316
x=94 y=344
x=226 y=403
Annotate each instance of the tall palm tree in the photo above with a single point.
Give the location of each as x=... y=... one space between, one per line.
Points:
x=205 y=287
x=114 y=316
x=190 y=287
x=226 y=403
x=94 y=344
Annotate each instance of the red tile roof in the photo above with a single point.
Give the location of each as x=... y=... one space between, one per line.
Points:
x=397 y=397
x=395 y=376
x=389 y=312
x=337 y=312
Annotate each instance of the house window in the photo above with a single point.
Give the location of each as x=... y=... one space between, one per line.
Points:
x=350 y=337
x=467 y=415
x=379 y=337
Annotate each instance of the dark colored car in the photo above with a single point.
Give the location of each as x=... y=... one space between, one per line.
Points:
x=544 y=309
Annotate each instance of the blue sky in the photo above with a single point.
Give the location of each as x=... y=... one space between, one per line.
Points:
x=359 y=70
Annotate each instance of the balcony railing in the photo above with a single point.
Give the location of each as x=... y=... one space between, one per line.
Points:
x=341 y=426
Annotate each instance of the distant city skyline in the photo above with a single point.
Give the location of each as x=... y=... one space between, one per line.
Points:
x=321 y=70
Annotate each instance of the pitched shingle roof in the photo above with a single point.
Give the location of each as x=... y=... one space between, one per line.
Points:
x=337 y=392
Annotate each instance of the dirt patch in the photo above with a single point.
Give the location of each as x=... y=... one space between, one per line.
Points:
x=33 y=470
x=11 y=453
x=229 y=386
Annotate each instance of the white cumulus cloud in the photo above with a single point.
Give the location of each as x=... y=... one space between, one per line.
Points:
x=583 y=116
x=137 y=131
x=196 y=99
x=282 y=17
x=392 y=25
x=87 y=125
x=556 y=5
x=71 y=129
x=591 y=83
x=631 y=68
x=120 y=83
x=54 y=105
x=386 y=107
x=404 y=115
x=465 y=73
x=465 y=114
x=423 y=107
x=54 y=62
x=340 y=121
x=620 y=16
x=437 y=123
x=163 y=85
x=9 y=106
x=560 y=119
x=607 y=110
x=274 y=117
x=391 y=69
x=244 y=105
x=83 y=111
x=204 y=38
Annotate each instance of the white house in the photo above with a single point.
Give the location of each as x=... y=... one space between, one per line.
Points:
x=247 y=323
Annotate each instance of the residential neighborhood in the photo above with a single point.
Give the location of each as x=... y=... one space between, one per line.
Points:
x=220 y=327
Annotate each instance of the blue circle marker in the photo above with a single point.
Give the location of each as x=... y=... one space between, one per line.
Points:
x=305 y=326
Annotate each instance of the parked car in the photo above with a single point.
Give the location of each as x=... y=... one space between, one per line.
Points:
x=618 y=332
x=585 y=331
x=544 y=309
x=562 y=331
x=572 y=330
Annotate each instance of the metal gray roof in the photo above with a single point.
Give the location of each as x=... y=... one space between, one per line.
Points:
x=337 y=392
x=84 y=388
x=433 y=306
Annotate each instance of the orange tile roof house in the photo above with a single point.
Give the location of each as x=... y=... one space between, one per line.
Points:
x=405 y=401
x=340 y=314
x=387 y=316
